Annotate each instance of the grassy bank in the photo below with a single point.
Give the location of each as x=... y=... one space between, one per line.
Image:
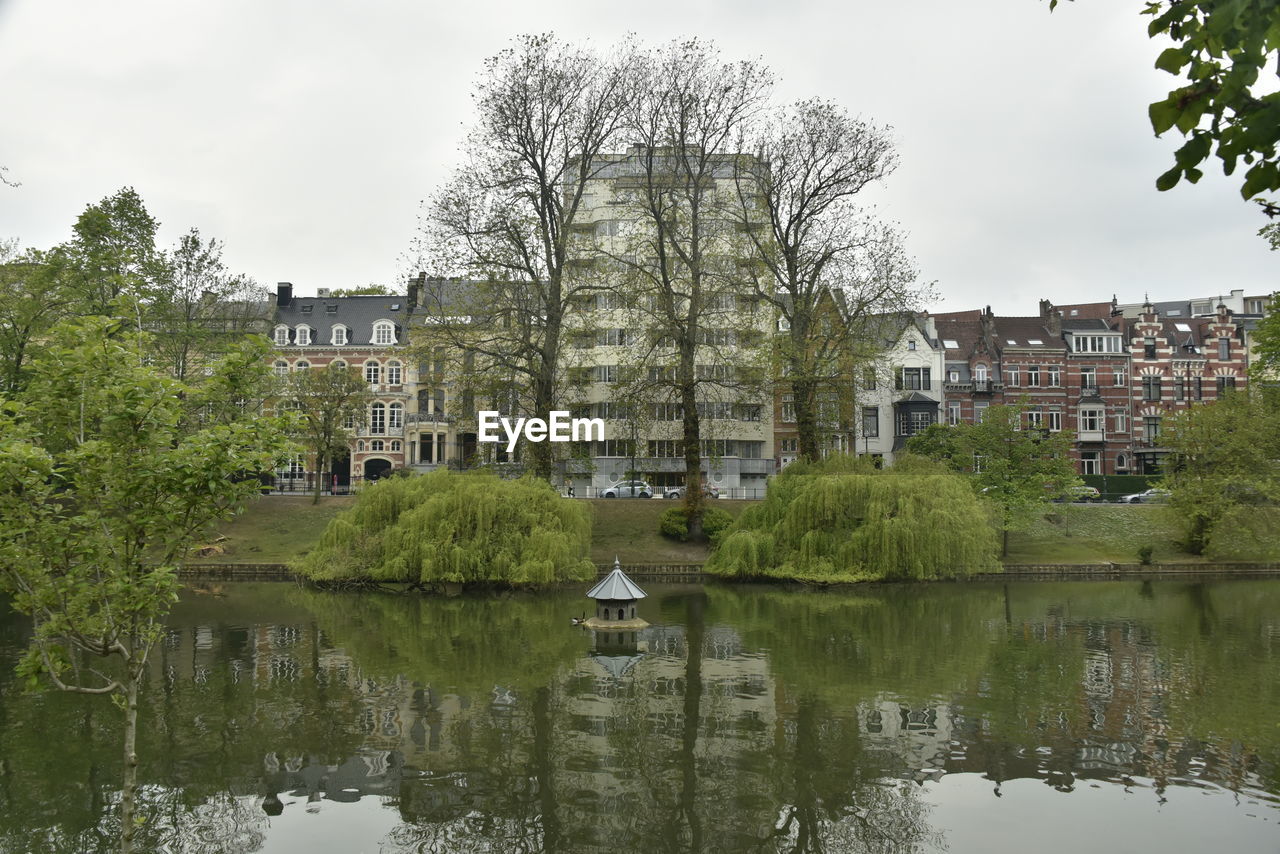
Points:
x=277 y=529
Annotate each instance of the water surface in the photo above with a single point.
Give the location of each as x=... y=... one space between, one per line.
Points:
x=964 y=718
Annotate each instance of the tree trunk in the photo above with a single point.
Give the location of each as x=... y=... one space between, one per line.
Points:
x=804 y=397
x=693 y=502
x=319 y=480
x=128 y=825
x=692 y=717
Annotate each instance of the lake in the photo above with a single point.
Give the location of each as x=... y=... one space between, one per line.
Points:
x=1047 y=717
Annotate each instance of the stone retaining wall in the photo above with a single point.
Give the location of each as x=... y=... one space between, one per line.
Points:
x=660 y=572
x=235 y=572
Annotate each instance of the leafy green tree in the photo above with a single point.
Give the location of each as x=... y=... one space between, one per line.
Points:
x=363 y=291
x=1017 y=469
x=1221 y=48
x=1265 y=347
x=104 y=485
x=32 y=299
x=327 y=400
x=471 y=528
x=113 y=254
x=1225 y=473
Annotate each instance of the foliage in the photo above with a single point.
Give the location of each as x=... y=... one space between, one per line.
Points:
x=471 y=528
x=674 y=523
x=1264 y=350
x=1144 y=553
x=108 y=472
x=362 y=291
x=1017 y=469
x=326 y=399
x=1220 y=48
x=1225 y=473
x=859 y=527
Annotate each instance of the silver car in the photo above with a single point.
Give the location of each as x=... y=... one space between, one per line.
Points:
x=628 y=489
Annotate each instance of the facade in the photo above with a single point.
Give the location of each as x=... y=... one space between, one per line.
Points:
x=903 y=395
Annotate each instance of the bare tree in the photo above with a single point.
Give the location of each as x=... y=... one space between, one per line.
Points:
x=546 y=110
x=331 y=402
x=830 y=270
x=678 y=257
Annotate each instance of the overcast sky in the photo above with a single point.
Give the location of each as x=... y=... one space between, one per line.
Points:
x=304 y=134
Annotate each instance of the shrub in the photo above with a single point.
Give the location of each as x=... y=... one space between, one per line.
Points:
x=472 y=528
x=1144 y=554
x=674 y=523
x=859 y=527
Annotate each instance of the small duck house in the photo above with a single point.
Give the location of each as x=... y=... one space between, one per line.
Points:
x=616 y=597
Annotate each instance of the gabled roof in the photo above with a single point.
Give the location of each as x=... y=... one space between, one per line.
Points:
x=616 y=586
x=1026 y=333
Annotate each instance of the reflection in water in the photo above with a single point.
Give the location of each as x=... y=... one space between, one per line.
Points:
x=757 y=720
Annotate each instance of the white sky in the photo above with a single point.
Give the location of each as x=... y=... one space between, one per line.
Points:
x=304 y=133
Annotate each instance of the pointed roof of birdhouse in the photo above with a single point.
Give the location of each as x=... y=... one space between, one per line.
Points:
x=615 y=586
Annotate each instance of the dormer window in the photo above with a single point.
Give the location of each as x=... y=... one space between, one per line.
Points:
x=282 y=336
x=384 y=332
x=339 y=335
x=303 y=336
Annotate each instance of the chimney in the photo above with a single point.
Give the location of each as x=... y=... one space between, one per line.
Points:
x=284 y=294
x=1046 y=309
x=416 y=287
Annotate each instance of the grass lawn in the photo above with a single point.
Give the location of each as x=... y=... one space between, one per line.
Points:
x=275 y=529
x=1098 y=533
x=628 y=527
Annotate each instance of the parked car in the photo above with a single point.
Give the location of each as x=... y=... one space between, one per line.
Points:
x=708 y=491
x=628 y=489
x=1084 y=493
x=1151 y=496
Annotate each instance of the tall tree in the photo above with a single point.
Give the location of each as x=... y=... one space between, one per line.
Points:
x=677 y=259
x=33 y=299
x=829 y=269
x=199 y=308
x=330 y=402
x=103 y=488
x=546 y=110
x=1018 y=469
x=113 y=254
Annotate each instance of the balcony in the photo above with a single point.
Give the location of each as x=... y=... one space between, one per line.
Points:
x=428 y=418
x=385 y=431
x=1090 y=435
x=982 y=387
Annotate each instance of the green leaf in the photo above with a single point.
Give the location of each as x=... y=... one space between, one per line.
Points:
x=1169 y=180
x=1163 y=114
x=1171 y=60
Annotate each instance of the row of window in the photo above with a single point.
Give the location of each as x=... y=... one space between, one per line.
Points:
x=302 y=335
x=674 y=448
x=374 y=372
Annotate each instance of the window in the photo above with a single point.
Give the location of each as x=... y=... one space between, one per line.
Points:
x=376 y=445
x=666 y=448
x=980 y=411
x=1091 y=420
x=1088 y=377
x=1151 y=428
x=1122 y=462
x=377 y=419
x=1199 y=388
x=1255 y=306
x=1055 y=376
x=914 y=378
x=339 y=337
x=1151 y=387
x=1119 y=377
x=395 y=446
x=1033 y=376
x=1225 y=383
x=789 y=408
x=281 y=368
x=1201 y=307
x=301 y=366
x=869 y=379
x=667 y=412
x=384 y=332
x=393 y=373
x=1179 y=388
x=282 y=336
x=293 y=467
x=1122 y=422
x=1149 y=348
x=871 y=421
x=911 y=423
x=395 y=416
x=788 y=446
x=606 y=373
x=1090 y=463
x=953 y=376
x=303 y=336
x=980 y=373
x=911 y=345
x=1012 y=376
x=348 y=422
x=1224 y=349
x=614 y=337
x=372 y=370
x=747 y=411
x=1054 y=421
x=1096 y=343
x=953 y=412
x=614 y=448
x=1035 y=418
x=750 y=450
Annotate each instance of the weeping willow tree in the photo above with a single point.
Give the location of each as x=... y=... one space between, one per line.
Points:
x=843 y=521
x=472 y=528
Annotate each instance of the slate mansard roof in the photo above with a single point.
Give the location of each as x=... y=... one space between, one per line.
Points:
x=357 y=314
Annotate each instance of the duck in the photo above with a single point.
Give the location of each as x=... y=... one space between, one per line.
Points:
x=577 y=621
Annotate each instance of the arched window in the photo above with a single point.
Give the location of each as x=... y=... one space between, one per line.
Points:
x=301 y=366
x=360 y=446
x=980 y=373
x=303 y=336
x=281 y=368
x=338 y=363
x=372 y=370
x=393 y=373
x=1122 y=462
x=384 y=332
x=375 y=445
x=395 y=415
x=282 y=336
x=339 y=335
x=377 y=419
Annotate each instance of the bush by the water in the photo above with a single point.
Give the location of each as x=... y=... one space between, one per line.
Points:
x=845 y=521
x=674 y=523
x=472 y=528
